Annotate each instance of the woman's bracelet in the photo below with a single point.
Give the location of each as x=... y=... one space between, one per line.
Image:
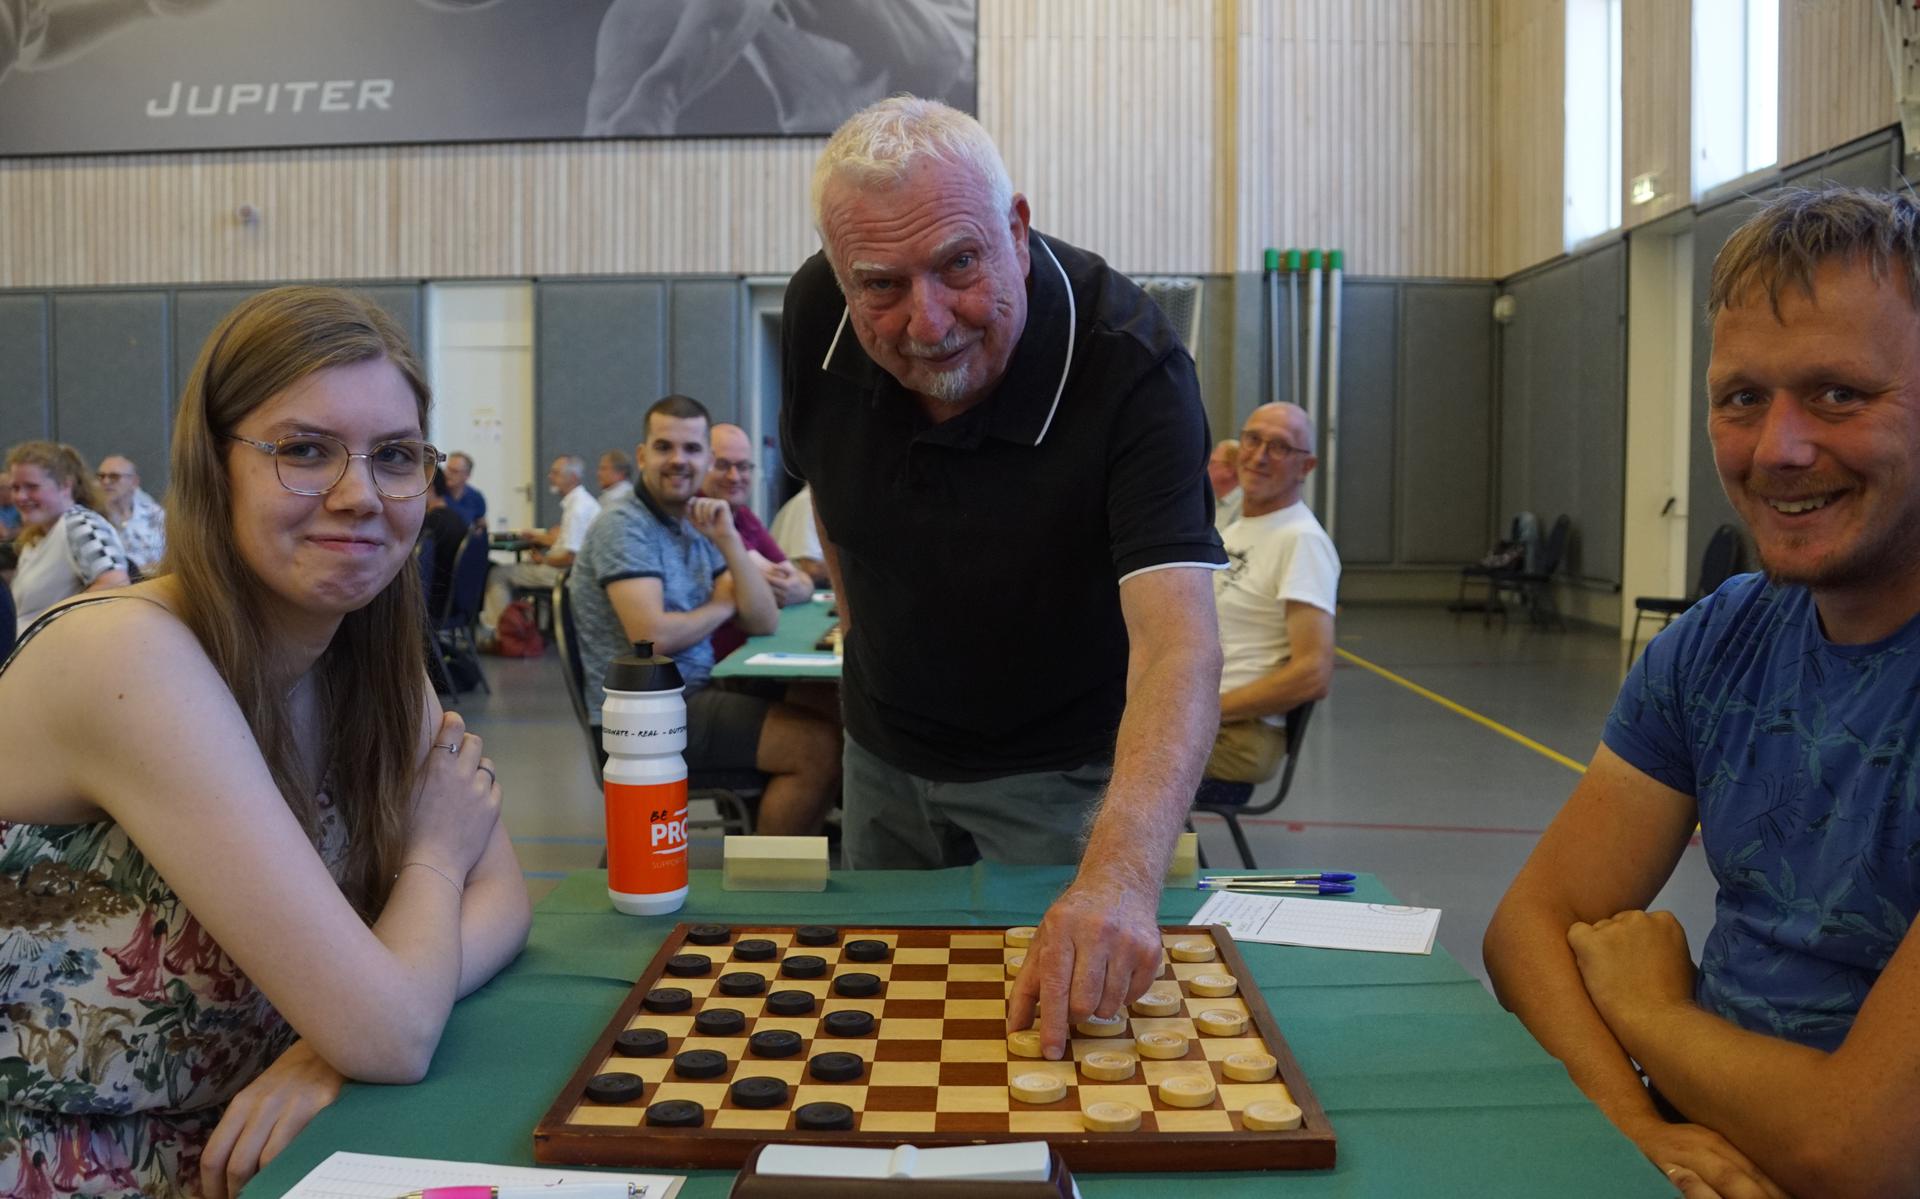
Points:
x=457 y=888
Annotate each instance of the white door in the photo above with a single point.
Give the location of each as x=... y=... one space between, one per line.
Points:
x=480 y=364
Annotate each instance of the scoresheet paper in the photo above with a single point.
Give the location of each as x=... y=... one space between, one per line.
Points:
x=1322 y=923
x=785 y=659
x=370 y=1176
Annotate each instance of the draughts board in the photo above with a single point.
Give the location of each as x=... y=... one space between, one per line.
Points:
x=935 y=1067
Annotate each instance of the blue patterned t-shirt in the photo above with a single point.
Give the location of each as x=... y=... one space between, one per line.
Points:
x=1801 y=755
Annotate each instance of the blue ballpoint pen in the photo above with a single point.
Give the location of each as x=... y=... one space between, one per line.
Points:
x=1324 y=876
x=1261 y=887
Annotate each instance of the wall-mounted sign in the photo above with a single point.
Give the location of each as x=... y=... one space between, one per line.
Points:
x=83 y=77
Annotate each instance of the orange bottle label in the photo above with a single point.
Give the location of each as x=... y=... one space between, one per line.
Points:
x=647 y=837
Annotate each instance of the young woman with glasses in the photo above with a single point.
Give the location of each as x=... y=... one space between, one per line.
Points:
x=250 y=855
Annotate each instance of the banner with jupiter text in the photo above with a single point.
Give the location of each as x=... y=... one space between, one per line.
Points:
x=111 y=76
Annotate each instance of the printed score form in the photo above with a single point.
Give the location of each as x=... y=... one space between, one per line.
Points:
x=1322 y=923
x=783 y=658
x=372 y=1176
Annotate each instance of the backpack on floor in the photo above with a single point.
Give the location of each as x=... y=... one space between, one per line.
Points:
x=518 y=634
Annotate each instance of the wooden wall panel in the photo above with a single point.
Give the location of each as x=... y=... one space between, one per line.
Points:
x=1105 y=111
x=1529 y=132
x=1835 y=83
x=1364 y=125
x=1656 y=104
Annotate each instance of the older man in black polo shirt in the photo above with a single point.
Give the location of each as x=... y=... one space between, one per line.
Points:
x=1008 y=458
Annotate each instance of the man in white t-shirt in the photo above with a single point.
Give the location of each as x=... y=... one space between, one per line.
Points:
x=554 y=547
x=1275 y=600
x=799 y=538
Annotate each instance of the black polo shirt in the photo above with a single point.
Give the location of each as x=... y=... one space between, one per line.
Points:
x=982 y=556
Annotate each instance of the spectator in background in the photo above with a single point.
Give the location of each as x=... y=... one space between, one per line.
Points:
x=555 y=546
x=798 y=537
x=66 y=546
x=141 y=522
x=9 y=515
x=465 y=500
x=615 y=476
x=1275 y=600
x=1223 y=471
x=667 y=565
x=730 y=478
x=447 y=528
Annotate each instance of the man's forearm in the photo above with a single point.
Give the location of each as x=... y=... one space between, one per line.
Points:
x=1714 y=1072
x=1171 y=717
x=1282 y=689
x=672 y=632
x=1535 y=977
x=755 y=608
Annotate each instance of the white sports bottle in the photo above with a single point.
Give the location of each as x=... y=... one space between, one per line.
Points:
x=643 y=728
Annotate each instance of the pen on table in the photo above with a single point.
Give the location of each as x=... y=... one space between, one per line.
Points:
x=559 y=1190
x=1284 y=887
x=1324 y=876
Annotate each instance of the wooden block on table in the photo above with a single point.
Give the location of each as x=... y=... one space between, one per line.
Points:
x=1186 y=859
x=774 y=864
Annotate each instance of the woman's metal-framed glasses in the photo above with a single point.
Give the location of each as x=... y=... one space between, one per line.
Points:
x=314 y=464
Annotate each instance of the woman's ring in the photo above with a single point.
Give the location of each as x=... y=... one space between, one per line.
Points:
x=452 y=749
x=491 y=775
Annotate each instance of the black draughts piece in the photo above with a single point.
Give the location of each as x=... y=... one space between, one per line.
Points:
x=640 y=1042
x=775 y=1042
x=758 y=1092
x=836 y=1067
x=615 y=1088
x=709 y=934
x=848 y=1024
x=823 y=1117
x=668 y=999
x=742 y=983
x=816 y=934
x=689 y=965
x=857 y=986
x=791 y=1003
x=755 y=949
x=866 y=950
x=803 y=965
x=675 y=1113
x=720 y=1022
x=700 y=1063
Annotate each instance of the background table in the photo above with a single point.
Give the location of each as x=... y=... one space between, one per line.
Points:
x=1432 y=1089
x=800 y=627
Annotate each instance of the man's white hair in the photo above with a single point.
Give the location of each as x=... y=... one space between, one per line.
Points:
x=882 y=142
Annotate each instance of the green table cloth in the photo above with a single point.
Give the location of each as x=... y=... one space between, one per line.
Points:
x=1432 y=1089
x=801 y=626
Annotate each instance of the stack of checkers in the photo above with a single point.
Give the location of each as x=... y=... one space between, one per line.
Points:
x=737 y=1034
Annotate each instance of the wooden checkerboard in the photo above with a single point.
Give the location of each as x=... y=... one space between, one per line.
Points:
x=936 y=1066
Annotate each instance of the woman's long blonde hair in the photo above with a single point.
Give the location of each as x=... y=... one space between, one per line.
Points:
x=67 y=467
x=371 y=681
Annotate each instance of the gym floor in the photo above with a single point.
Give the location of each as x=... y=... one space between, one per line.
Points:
x=1391 y=782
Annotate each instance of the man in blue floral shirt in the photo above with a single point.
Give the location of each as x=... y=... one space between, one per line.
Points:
x=1779 y=714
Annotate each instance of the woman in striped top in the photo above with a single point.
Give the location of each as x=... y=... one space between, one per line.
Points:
x=66 y=545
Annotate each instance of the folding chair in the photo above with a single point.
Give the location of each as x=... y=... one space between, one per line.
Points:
x=1228 y=801
x=1719 y=562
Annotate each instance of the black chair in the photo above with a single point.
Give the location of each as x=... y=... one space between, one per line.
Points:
x=1533 y=588
x=454 y=626
x=729 y=791
x=1228 y=801
x=1719 y=562
x=1508 y=560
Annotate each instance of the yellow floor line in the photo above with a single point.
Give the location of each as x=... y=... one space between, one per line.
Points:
x=1469 y=713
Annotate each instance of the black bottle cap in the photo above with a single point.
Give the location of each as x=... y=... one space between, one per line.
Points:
x=643 y=670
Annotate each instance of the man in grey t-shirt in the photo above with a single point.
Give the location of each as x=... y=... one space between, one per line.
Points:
x=666 y=565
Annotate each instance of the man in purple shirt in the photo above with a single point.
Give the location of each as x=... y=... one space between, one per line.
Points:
x=731 y=479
